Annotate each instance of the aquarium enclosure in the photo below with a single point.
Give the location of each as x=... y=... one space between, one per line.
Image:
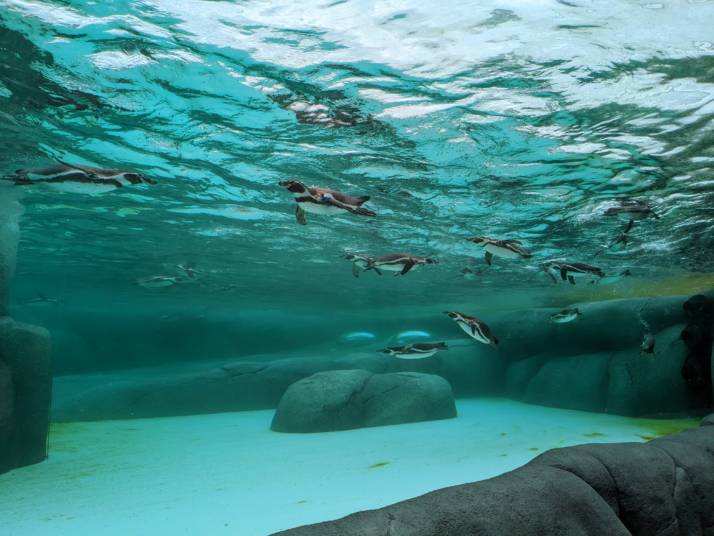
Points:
x=354 y=267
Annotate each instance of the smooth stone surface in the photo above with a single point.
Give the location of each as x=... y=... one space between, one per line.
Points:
x=665 y=487
x=625 y=382
x=347 y=399
x=25 y=353
x=323 y=402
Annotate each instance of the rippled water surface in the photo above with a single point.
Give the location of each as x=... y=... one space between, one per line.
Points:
x=509 y=119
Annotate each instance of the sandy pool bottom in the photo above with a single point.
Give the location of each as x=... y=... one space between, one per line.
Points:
x=229 y=474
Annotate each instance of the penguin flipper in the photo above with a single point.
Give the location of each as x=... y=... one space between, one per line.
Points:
x=379 y=272
x=629 y=226
x=564 y=273
x=300 y=215
x=555 y=280
x=407 y=266
x=489 y=258
x=571 y=279
x=355 y=270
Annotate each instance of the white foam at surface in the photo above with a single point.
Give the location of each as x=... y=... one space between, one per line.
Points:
x=229 y=474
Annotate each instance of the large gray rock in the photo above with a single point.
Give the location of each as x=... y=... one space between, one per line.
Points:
x=624 y=382
x=345 y=399
x=664 y=488
x=25 y=359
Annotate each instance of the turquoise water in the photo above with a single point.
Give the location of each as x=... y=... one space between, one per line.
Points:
x=504 y=119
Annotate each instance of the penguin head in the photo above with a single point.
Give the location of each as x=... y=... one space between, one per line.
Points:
x=479 y=240
x=452 y=314
x=294 y=186
x=429 y=260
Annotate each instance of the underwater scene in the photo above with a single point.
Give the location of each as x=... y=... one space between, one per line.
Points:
x=265 y=264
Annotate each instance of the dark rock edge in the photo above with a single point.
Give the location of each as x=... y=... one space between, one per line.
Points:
x=663 y=487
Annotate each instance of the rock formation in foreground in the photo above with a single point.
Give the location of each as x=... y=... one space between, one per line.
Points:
x=664 y=487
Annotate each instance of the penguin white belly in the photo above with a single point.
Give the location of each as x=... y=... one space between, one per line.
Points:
x=501 y=252
x=420 y=355
x=474 y=335
x=318 y=208
x=564 y=319
x=583 y=276
x=87 y=188
x=390 y=267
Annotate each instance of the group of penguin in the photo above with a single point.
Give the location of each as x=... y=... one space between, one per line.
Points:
x=75 y=178
x=318 y=200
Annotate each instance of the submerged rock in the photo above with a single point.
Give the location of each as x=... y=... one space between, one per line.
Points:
x=346 y=399
x=25 y=393
x=624 y=382
x=10 y=212
x=662 y=487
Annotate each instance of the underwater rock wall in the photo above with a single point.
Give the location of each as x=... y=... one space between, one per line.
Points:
x=594 y=364
x=624 y=382
x=239 y=385
x=10 y=212
x=663 y=487
x=25 y=393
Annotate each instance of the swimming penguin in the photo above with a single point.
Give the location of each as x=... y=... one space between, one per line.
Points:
x=648 y=344
x=648 y=340
x=566 y=315
x=632 y=210
x=318 y=200
x=359 y=262
x=474 y=327
x=570 y=271
x=159 y=281
x=418 y=350
x=507 y=249
x=74 y=178
x=401 y=263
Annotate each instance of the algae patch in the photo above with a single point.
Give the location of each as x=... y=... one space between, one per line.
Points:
x=654 y=428
x=595 y=434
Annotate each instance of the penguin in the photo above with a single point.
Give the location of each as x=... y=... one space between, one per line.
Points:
x=401 y=263
x=507 y=249
x=566 y=315
x=159 y=281
x=359 y=262
x=474 y=327
x=418 y=350
x=570 y=271
x=318 y=200
x=632 y=210
x=648 y=339
x=74 y=178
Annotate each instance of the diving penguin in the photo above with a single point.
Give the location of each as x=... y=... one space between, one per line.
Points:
x=570 y=271
x=359 y=262
x=474 y=327
x=418 y=350
x=507 y=249
x=74 y=178
x=401 y=263
x=316 y=200
x=566 y=315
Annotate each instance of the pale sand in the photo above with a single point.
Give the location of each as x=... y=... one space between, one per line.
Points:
x=229 y=474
